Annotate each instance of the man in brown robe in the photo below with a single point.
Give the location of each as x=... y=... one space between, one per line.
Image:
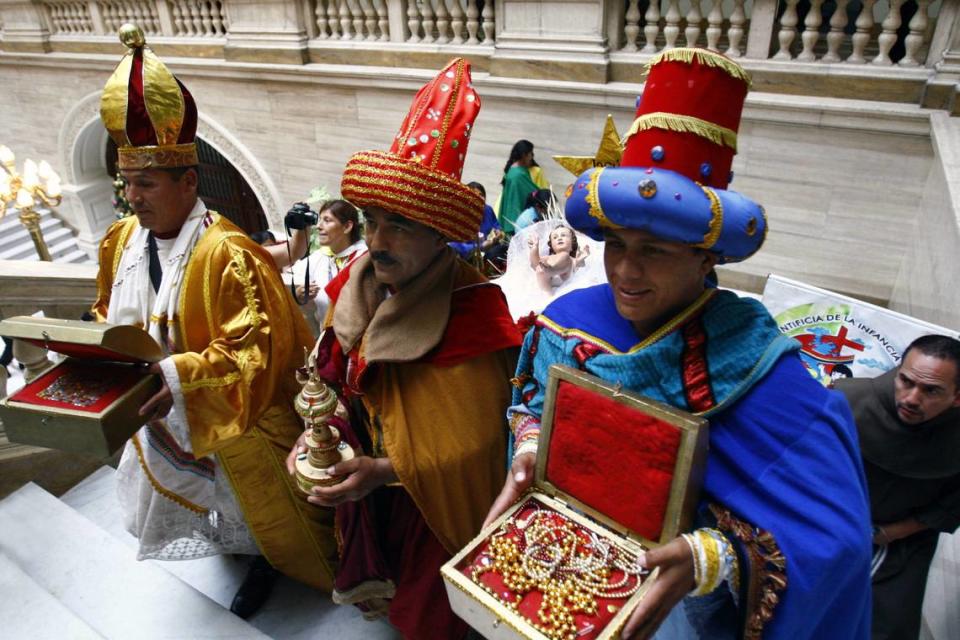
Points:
x=909 y=425
x=421 y=348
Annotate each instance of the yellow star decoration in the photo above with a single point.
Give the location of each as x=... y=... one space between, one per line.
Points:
x=608 y=153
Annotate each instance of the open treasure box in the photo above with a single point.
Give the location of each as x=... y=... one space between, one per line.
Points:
x=616 y=473
x=89 y=402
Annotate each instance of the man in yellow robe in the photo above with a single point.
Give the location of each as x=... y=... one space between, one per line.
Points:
x=421 y=348
x=205 y=474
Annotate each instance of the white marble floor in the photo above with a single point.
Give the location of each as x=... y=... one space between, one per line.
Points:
x=64 y=557
x=294 y=611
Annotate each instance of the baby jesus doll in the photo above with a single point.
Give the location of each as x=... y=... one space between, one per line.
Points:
x=563 y=259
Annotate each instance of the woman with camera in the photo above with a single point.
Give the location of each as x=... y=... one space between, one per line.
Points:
x=339 y=232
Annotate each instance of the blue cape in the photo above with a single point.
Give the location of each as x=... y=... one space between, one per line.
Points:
x=783 y=454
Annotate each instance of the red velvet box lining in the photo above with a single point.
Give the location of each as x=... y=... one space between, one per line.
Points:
x=84 y=351
x=588 y=626
x=613 y=458
x=107 y=382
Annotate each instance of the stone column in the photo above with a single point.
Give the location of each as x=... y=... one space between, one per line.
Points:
x=944 y=56
x=553 y=39
x=270 y=31
x=24 y=26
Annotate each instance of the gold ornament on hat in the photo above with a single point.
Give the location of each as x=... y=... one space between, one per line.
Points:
x=608 y=153
x=151 y=116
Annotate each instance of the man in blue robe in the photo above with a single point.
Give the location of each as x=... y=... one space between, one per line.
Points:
x=781 y=545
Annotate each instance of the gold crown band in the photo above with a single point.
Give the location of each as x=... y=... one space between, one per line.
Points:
x=157 y=157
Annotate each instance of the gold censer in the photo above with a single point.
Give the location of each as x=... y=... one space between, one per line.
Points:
x=316 y=404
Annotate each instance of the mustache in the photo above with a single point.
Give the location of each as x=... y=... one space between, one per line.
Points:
x=383 y=257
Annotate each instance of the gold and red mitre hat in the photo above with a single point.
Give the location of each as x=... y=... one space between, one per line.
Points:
x=673 y=175
x=419 y=177
x=147 y=110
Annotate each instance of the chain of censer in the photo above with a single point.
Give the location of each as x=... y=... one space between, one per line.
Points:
x=568 y=565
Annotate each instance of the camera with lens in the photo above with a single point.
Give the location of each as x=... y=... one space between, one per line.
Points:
x=300 y=216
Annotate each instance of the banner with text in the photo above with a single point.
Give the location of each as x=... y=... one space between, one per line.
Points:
x=841 y=336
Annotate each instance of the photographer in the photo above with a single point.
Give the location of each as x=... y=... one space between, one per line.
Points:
x=298 y=221
x=339 y=232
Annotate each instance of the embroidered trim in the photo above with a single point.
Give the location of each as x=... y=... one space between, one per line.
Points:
x=248 y=293
x=451 y=108
x=364 y=591
x=122 y=244
x=156 y=157
x=164 y=444
x=694 y=371
x=222 y=381
x=593 y=199
x=716 y=220
x=767 y=572
x=684 y=124
x=166 y=493
x=657 y=335
x=520 y=381
x=703 y=56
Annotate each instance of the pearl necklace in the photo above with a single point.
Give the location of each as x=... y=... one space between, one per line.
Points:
x=570 y=566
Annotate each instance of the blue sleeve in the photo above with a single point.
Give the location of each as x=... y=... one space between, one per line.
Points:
x=786 y=459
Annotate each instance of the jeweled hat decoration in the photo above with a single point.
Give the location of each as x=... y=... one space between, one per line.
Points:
x=419 y=177
x=147 y=111
x=675 y=168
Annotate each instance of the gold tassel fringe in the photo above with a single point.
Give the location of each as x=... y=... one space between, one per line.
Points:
x=684 y=124
x=703 y=56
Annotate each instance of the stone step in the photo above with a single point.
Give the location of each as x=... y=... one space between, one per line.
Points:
x=293 y=612
x=16 y=234
x=11 y=220
x=98 y=579
x=28 y=611
x=16 y=244
x=59 y=240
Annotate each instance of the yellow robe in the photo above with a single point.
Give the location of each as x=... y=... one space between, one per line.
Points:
x=240 y=339
x=443 y=427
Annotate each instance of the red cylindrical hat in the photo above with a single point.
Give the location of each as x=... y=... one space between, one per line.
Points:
x=419 y=177
x=688 y=116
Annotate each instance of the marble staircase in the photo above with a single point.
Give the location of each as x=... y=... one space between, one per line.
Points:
x=15 y=242
x=68 y=569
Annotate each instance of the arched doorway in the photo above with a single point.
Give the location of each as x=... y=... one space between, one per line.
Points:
x=222 y=188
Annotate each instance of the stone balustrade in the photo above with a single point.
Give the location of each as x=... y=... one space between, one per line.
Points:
x=852 y=31
x=174 y=18
x=438 y=22
x=588 y=33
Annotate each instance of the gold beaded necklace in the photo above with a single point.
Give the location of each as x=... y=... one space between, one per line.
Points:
x=568 y=565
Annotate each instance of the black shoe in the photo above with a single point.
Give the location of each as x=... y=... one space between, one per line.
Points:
x=256 y=588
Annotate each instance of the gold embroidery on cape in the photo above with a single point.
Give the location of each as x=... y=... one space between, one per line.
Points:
x=222 y=381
